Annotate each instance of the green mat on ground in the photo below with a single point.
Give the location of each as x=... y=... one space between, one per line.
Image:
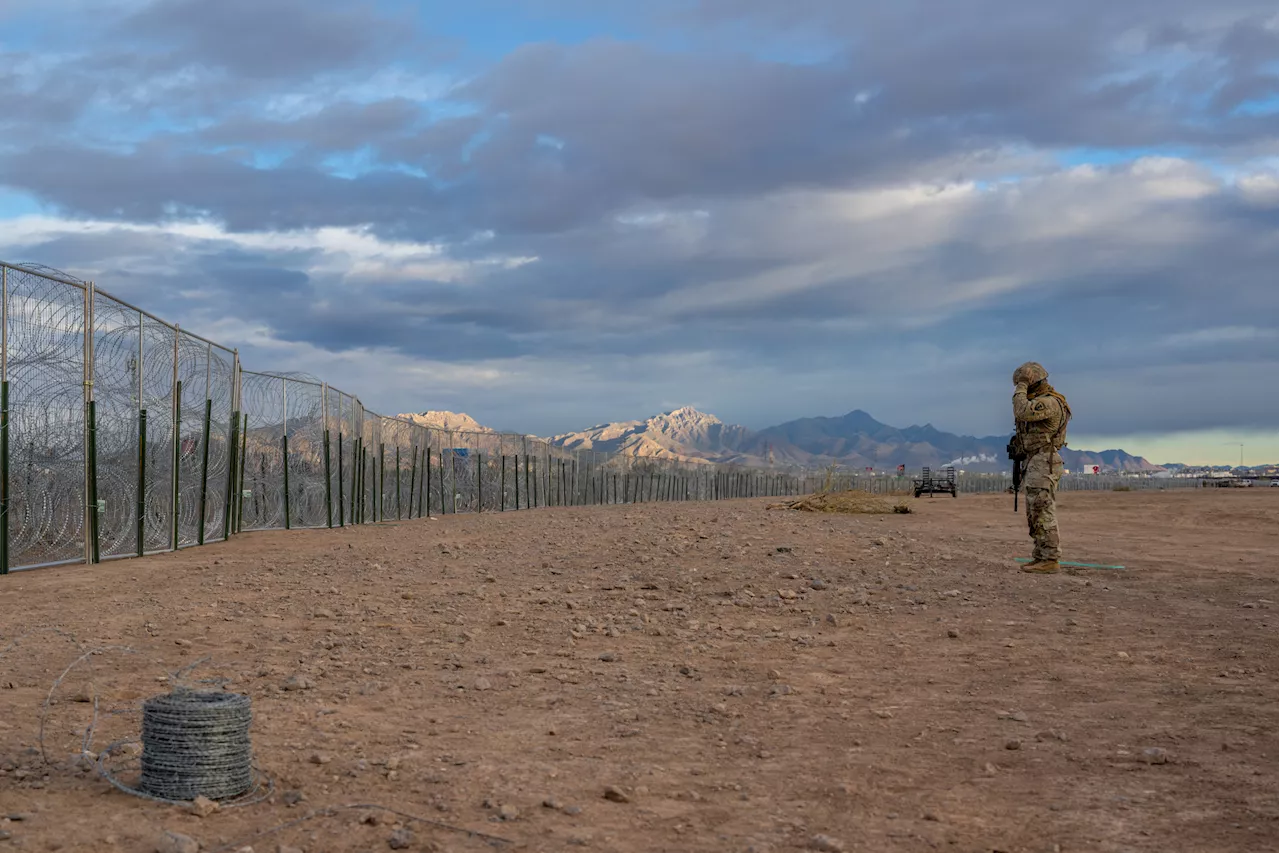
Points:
x=1074 y=565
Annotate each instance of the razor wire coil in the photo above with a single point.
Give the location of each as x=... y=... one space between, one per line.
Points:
x=196 y=744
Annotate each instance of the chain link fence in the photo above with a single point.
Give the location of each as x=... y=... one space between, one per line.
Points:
x=123 y=435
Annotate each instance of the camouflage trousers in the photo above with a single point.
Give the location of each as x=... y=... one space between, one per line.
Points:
x=1044 y=470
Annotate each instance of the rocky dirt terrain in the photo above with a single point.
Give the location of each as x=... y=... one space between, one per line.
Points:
x=681 y=677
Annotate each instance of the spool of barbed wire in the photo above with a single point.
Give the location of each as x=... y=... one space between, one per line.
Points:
x=196 y=744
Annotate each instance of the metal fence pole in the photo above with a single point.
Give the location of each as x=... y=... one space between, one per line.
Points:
x=177 y=444
x=328 y=473
x=284 y=445
x=91 y=442
x=142 y=481
x=244 y=455
x=204 y=469
x=233 y=446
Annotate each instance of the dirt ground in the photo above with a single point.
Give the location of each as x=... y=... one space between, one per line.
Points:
x=746 y=680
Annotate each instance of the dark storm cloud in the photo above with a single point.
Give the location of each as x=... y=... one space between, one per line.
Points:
x=157 y=179
x=280 y=39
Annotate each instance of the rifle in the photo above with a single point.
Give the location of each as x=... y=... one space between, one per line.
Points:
x=1014 y=449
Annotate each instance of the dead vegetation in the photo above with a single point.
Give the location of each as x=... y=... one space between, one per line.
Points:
x=851 y=502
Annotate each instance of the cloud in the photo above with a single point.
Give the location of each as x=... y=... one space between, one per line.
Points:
x=778 y=209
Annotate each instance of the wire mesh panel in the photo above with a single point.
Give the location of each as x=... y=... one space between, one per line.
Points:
x=308 y=505
x=194 y=378
x=217 y=468
x=262 y=496
x=399 y=438
x=44 y=321
x=117 y=385
x=157 y=378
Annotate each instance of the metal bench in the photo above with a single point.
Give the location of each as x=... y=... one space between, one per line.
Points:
x=932 y=484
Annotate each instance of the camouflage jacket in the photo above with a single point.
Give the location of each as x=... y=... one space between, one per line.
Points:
x=1041 y=422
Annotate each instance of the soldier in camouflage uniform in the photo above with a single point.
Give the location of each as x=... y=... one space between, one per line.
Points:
x=1040 y=414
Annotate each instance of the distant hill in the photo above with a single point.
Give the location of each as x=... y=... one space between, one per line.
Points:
x=453 y=421
x=854 y=440
x=684 y=434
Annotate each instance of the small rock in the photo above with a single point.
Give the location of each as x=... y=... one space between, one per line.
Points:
x=298 y=682
x=953 y=633
x=1013 y=743
x=401 y=839
x=1019 y=716
x=573 y=810
x=990 y=769
x=783 y=549
x=18 y=817
x=787 y=594
x=817 y=583
x=176 y=842
x=883 y=714
x=202 y=806
x=780 y=690
x=292 y=798
x=826 y=843
x=84 y=693
x=615 y=794
x=286 y=848
x=1155 y=755
x=372 y=819
x=319 y=758
x=832 y=620
x=551 y=803
x=482 y=683
x=5 y=835
x=322 y=613
x=508 y=812
x=609 y=657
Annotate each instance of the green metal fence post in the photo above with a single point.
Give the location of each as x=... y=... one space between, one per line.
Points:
x=355 y=475
x=142 y=483
x=284 y=444
x=244 y=455
x=177 y=446
x=342 y=517
x=233 y=451
x=204 y=470
x=94 y=520
x=328 y=483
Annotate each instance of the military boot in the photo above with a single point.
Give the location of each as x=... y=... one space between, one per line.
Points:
x=1042 y=567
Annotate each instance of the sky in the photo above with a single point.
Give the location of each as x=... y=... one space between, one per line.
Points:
x=557 y=213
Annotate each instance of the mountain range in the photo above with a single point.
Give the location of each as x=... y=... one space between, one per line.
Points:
x=855 y=441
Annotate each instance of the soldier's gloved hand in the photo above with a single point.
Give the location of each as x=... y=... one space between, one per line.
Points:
x=1020 y=386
